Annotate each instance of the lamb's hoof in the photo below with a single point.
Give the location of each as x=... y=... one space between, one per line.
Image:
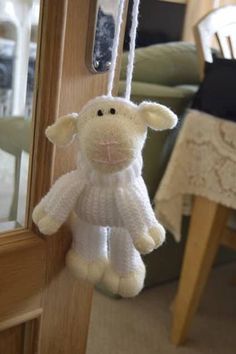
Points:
x=158 y=235
x=38 y=214
x=48 y=226
x=82 y=269
x=128 y=285
x=144 y=244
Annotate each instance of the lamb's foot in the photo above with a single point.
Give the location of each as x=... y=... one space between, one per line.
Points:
x=46 y=224
x=84 y=269
x=38 y=214
x=126 y=285
x=158 y=235
x=153 y=239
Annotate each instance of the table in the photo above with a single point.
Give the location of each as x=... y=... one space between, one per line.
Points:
x=203 y=165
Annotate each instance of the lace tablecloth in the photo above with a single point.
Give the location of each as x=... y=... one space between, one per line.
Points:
x=203 y=163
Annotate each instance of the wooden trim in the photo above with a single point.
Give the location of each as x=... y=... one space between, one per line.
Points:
x=50 y=59
x=20 y=240
x=34 y=105
x=32 y=332
x=23 y=268
x=15 y=321
x=45 y=109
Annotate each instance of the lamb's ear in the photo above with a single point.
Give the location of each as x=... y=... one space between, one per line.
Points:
x=63 y=130
x=157 y=116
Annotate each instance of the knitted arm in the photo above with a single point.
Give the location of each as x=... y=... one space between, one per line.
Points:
x=55 y=207
x=138 y=217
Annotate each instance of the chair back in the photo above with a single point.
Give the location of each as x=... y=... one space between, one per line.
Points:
x=219 y=24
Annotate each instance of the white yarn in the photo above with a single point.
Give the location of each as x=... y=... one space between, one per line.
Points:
x=124 y=203
x=93 y=245
x=100 y=198
x=124 y=257
x=132 y=35
x=131 y=56
x=111 y=74
x=121 y=204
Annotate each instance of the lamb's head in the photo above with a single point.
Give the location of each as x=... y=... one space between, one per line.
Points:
x=111 y=130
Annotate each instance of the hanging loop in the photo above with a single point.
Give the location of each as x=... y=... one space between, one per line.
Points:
x=131 y=56
x=111 y=75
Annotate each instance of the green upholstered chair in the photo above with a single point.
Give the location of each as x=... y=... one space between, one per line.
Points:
x=168 y=74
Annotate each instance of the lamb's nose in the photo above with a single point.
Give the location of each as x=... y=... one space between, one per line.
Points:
x=108 y=147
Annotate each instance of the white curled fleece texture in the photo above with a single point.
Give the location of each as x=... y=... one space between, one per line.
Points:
x=106 y=198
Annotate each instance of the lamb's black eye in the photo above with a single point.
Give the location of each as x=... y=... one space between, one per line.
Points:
x=112 y=111
x=100 y=112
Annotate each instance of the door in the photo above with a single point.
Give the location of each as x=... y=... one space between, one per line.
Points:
x=42 y=308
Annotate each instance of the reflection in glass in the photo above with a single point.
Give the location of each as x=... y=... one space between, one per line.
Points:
x=102 y=32
x=18 y=41
x=104 y=35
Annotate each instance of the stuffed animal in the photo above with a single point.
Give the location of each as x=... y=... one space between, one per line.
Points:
x=106 y=194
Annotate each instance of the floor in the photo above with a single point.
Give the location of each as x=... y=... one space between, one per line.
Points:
x=142 y=325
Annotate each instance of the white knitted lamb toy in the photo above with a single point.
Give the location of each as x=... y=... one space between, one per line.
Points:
x=106 y=192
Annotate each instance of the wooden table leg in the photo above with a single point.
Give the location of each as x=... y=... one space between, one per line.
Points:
x=207 y=223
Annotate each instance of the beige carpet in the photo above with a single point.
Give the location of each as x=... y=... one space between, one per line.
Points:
x=142 y=325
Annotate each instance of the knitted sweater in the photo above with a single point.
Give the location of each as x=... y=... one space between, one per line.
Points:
x=118 y=199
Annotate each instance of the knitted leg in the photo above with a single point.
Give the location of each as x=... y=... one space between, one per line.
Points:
x=87 y=258
x=126 y=271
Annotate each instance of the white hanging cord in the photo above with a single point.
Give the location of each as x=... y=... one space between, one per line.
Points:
x=132 y=36
x=118 y=24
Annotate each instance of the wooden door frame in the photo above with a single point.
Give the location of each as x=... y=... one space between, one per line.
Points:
x=22 y=251
x=50 y=301
x=47 y=95
x=45 y=110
